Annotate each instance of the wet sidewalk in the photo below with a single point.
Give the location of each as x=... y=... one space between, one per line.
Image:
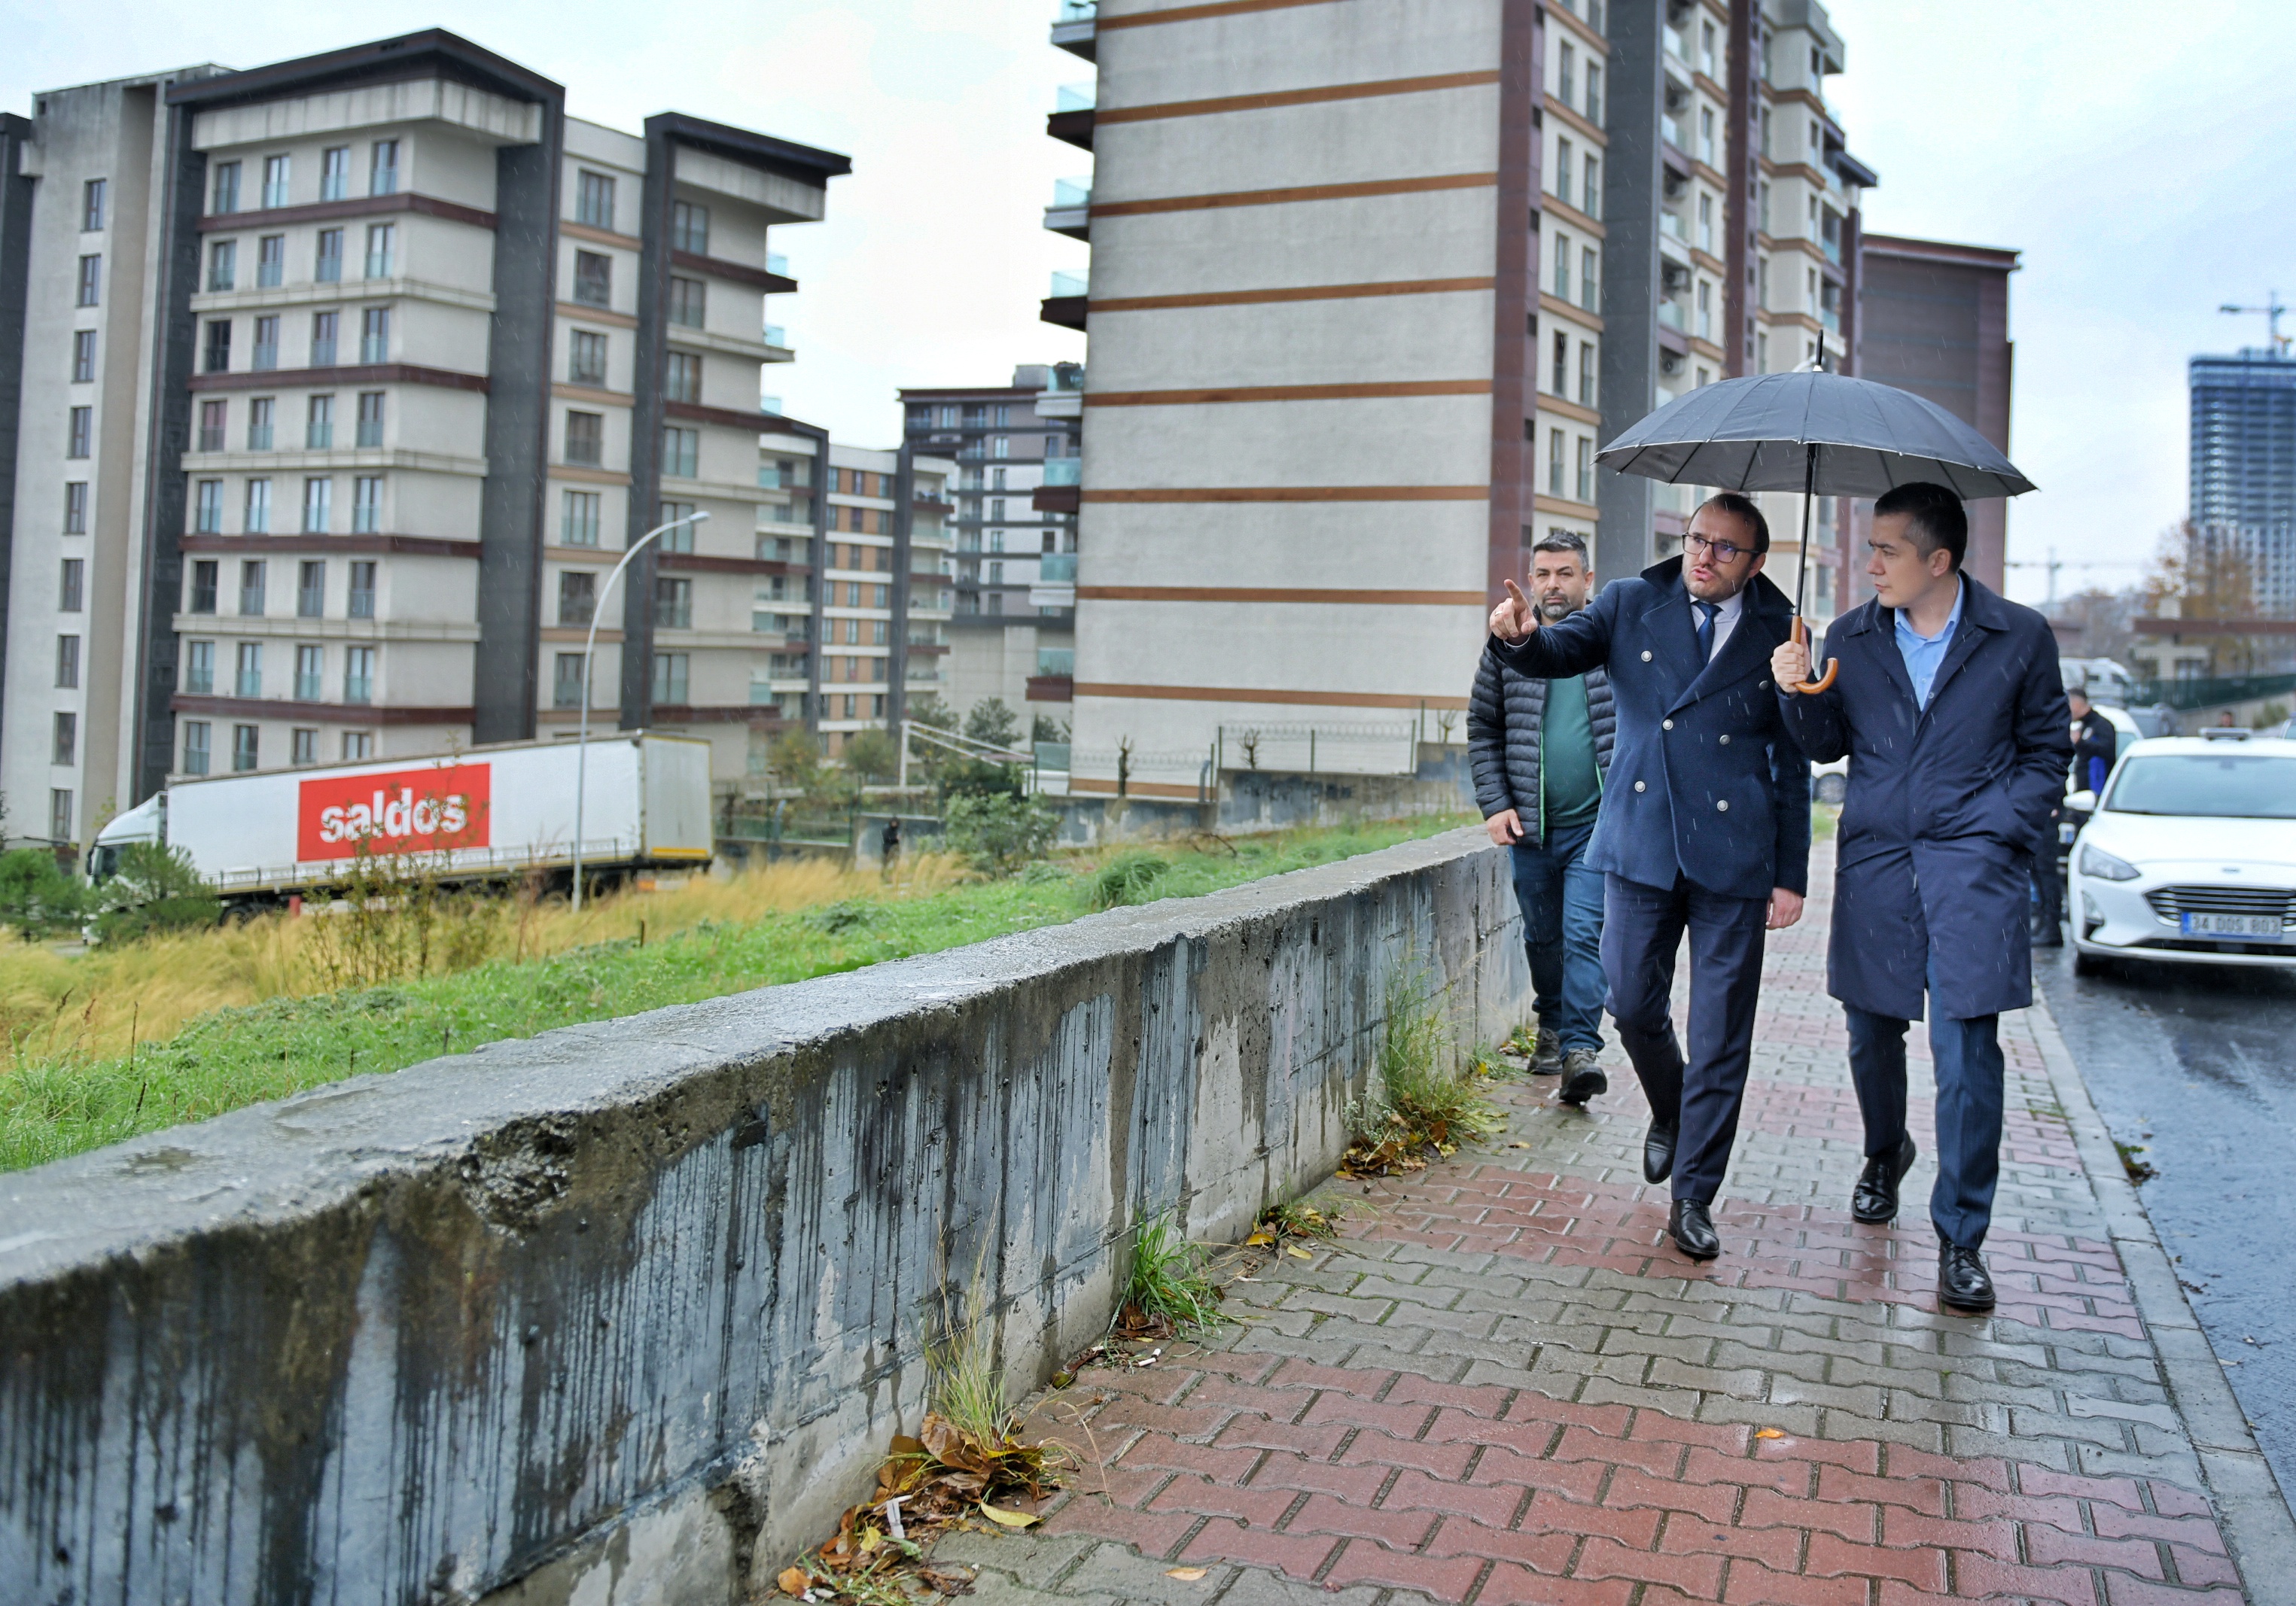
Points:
x=1503 y=1384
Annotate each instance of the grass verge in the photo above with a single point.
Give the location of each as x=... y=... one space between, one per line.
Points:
x=1420 y=1105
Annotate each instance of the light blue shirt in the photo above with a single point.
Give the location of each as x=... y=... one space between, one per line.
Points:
x=1924 y=654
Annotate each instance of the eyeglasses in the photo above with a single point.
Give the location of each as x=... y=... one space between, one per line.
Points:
x=1725 y=552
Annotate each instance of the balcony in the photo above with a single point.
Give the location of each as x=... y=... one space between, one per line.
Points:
x=1071 y=117
x=1831 y=318
x=1670 y=129
x=1669 y=315
x=1057 y=569
x=1064 y=470
x=1674 y=46
x=1070 y=213
x=1066 y=304
x=1075 y=28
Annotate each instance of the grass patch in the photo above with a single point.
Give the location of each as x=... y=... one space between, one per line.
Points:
x=1166 y=1289
x=1421 y=1106
x=102 y=1046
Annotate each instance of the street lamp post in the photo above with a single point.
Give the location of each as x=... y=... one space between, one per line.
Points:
x=589 y=646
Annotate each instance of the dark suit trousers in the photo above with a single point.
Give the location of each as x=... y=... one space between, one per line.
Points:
x=1971 y=1071
x=1642 y=928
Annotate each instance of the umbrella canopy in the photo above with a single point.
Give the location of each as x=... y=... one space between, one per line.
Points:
x=1755 y=434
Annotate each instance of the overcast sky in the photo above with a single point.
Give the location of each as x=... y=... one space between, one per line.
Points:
x=2136 y=154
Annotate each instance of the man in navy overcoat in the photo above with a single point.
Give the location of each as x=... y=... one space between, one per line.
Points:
x=1704 y=826
x=1950 y=709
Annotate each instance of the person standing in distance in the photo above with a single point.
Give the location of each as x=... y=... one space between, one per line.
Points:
x=1705 y=824
x=2096 y=743
x=1538 y=748
x=1950 y=709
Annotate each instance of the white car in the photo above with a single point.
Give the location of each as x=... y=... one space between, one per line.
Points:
x=2191 y=855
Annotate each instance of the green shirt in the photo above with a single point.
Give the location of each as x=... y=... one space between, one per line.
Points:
x=1570 y=787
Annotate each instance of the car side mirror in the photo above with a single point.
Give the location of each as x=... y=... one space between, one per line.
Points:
x=2083 y=801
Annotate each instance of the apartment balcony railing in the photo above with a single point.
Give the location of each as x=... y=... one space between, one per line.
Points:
x=1669 y=313
x=1671 y=225
x=1670 y=130
x=770 y=403
x=777 y=264
x=1064 y=470
x=1068 y=378
x=1057 y=569
x=1070 y=285
x=1056 y=660
x=1674 y=46
x=1067 y=192
x=1077 y=11
x=1076 y=97
x=1832 y=243
x=1832 y=319
x=776 y=335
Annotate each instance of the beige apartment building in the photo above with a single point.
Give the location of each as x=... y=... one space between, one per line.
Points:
x=345 y=383
x=1370 y=285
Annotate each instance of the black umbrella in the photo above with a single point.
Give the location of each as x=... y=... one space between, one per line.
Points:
x=1815 y=431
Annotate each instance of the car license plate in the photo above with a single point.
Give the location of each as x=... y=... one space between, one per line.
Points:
x=2251 y=926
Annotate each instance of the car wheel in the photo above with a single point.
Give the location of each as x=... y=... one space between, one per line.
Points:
x=2089 y=965
x=1832 y=788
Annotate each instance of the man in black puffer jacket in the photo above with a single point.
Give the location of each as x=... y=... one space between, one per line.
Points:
x=1540 y=748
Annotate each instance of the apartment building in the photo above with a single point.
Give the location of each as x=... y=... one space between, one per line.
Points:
x=347 y=381
x=1011 y=633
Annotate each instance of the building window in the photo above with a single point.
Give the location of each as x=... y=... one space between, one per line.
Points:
x=1705 y=311
x=327 y=268
x=251 y=574
x=585 y=358
x=1586 y=468
x=1593 y=95
x=359 y=601
x=566 y=681
x=59 y=815
x=249 y=682
x=1561 y=177
x=688 y=301
x=1566 y=72
x=1705 y=222
x=382 y=168
x=70 y=586
x=213 y=421
x=366 y=504
x=1586 y=373
x=374 y=334
x=689 y=227
x=323 y=325
x=92 y=196
x=223 y=265
x=382 y=239
x=594 y=279
x=593 y=200
x=199 y=666
x=1561 y=365
x=370 y=418
x=215 y=356
x=76 y=508
x=263 y=357
x=311 y=591
x=578 y=525
x=578 y=598
x=319 y=424
x=66 y=746
x=1563 y=264
x=243 y=740
x=357 y=745
x=683 y=380
x=257 y=521
x=673 y=603
x=80 y=428
x=1591 y=186
x=276 y=169
x=311 y=672
x=334 y=173
x=195 y=747
x=302 y=745
x=1003 y=447
x=1554 y=463
x=91 y=281
x=206 y=508
x=318 y=505
x=358 y=675
x=260 y=411
x=203 y=586
x=585 y=438
x=670 y=678
x=83 y=366
x=681 y=452
x=1587 y=276
x=681 y=538
x=1761 y=354
x=225 y=195
x=67 y=662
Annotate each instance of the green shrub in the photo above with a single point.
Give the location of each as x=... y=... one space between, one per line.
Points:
x=999 y=832
x=155 y=889
x=36 y=895
x=1126 y=879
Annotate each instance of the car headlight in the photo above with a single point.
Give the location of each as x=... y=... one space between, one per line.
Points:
x=2095 y=861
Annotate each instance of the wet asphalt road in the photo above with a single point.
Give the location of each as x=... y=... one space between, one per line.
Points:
x=2196 y=1068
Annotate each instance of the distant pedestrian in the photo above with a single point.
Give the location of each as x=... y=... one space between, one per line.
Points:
x=1539 y=749
x=2224 y=721
x=1704 y=828
x=2096 y=743
x=889 y=846
x=1950 y=712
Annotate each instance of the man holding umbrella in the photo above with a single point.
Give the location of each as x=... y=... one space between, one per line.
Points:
x=1951 y=712
x=1704 y=826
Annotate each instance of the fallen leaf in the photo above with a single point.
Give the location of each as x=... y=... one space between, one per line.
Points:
x=1004 y=1519
x=1769 y=1433
x=1186 y=1575
x=1296 y=1249
x=793 y=1580
x=1261 y=1238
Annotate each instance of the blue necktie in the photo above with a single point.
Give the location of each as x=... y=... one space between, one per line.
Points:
x=1706 y=610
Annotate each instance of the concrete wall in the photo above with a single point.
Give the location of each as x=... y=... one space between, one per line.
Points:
x=628 y=1311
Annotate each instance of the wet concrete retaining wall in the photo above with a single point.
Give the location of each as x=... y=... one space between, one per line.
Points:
x=627 y=1312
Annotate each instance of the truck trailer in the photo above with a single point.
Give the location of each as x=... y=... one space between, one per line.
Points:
x=494 y=813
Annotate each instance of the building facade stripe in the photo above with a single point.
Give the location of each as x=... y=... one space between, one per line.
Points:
x=1266 y=695
x=1300 y=292
x=1295 y=493
x=1269 y=99
x=1297 y=194
x=1197 y=13
x=1360 y=390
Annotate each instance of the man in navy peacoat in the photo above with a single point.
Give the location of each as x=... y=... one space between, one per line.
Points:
x=1704 y=827
x=1949 y=708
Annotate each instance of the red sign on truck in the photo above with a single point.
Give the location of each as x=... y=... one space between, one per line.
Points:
x=426 y=810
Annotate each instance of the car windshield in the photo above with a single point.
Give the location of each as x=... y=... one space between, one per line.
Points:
x=2238 y=786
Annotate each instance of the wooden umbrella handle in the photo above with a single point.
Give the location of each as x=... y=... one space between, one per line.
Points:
x=1833 y=665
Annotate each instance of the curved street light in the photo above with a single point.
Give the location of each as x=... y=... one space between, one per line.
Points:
x=589 y=646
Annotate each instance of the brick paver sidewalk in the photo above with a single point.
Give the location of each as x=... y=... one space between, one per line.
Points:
x=1504 y=1385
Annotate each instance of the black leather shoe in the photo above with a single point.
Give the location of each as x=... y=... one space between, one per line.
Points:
x=1582 y=1078
x=1876 y=1201
x=1963 y=1281
x=1692 y=1230
x=1658 y=1153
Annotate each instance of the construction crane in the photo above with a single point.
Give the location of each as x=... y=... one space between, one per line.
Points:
x=2272 y=308
x=2052 y=564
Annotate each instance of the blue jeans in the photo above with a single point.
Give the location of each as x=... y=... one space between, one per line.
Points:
x=1970 y=1068
x=1561 y=900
